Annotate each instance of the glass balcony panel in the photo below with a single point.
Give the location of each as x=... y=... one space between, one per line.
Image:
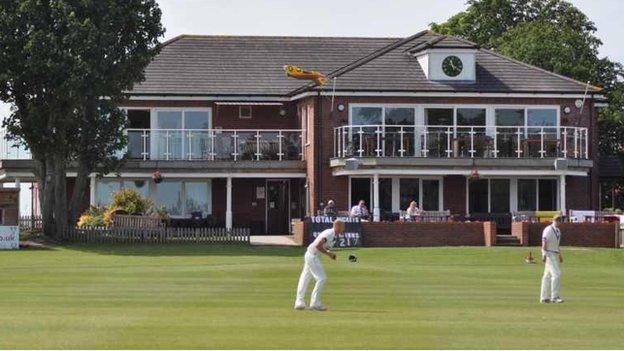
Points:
x=246 y=145
x=269 y=146
x=291 y=145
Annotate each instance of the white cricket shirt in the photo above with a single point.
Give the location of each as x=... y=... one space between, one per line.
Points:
x=552 y=237
x=327 y=234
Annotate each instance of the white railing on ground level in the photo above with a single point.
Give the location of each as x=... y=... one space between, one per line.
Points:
x=160 y=235
x=461 y=141
x=215 y=144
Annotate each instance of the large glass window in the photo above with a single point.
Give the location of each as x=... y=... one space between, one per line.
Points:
x=104 y=191
x=499 y=195
x=547 y=194
x=140 y=185
x=478 y=196
x=366 y=115
x=197 y=197
x=439 y=116
x=471 y=117
x=169 y=195
x=196 y=120
x=399 y=116
x=542 y=117
x=409 y=191
x=360 y=190
x=509 y=117
x=527 y=196
x=431 y=195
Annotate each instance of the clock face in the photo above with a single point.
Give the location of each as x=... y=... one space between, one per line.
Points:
x=452 y=66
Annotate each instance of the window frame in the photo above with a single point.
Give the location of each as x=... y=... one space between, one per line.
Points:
x=241 y=115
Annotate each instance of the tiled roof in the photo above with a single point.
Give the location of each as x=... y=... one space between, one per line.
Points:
x=231 y=65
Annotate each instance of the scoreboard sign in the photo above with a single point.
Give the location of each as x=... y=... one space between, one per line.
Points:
x=9 y=237
x=352 y=236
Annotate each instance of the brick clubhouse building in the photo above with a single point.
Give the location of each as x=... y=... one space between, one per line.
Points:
x=429 y=118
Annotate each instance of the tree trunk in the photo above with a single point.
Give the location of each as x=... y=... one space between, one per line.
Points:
x=78 y=194
x=60 y=195
x=46 y=197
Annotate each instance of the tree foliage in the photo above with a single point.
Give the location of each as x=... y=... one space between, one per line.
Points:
x=64 y=66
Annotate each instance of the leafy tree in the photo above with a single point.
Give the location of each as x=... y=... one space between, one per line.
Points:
x=64 y=66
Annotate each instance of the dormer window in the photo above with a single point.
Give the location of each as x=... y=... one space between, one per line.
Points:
x=448 y=64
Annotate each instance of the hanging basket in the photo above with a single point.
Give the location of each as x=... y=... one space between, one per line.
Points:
x=157 y=177
x=474 y=175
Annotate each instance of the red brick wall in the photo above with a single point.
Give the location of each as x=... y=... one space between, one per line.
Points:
x=578 y=193
x=489 y=233
x=243 y=197
x=572 y=234
x=263 y=117
x=396 y=234
x=298 y=228
x=521 y=231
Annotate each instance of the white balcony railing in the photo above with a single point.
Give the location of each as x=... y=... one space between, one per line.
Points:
x=460 y=141
x=214 y=144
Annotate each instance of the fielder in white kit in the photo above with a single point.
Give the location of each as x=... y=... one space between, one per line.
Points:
x=551 y=256
x=312 y=267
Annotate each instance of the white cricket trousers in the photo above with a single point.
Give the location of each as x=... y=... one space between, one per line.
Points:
x=550 y=280
x=312 y=268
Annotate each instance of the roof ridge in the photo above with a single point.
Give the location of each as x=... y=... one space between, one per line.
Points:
x=200 y=36
x=375 y=54
x=426 y=44
x=596 y=88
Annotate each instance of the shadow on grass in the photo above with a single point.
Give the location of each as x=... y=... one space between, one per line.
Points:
x=184 y=250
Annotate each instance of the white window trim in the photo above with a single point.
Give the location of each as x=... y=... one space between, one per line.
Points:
x=240 y=112
x=490 y=116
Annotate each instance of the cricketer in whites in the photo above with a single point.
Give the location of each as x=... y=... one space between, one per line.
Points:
x=551 y=256
x=312 y=267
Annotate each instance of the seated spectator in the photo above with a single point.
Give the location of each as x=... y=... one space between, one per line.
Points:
x=360 y=211
x=413 y=210
x=330 y=210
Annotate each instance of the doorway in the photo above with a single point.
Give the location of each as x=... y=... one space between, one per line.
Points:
x=277 y=205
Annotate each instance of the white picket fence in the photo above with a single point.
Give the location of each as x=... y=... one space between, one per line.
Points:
x=159 y=235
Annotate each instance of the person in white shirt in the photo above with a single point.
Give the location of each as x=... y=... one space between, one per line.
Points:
x=312 y=267
x=413 y=210
x=360 y=210
x=551 y=256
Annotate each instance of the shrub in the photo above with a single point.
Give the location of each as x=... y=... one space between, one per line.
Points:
x=92 y=217
x=130 y=202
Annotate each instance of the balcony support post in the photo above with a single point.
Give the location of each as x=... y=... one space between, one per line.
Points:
x=376 y=211
x=562 y=193
x=228 y=204
x=565 y=142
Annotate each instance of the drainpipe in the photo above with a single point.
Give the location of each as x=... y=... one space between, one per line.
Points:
x=318 y=139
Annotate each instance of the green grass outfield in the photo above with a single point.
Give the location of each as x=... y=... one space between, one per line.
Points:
x=99 y=297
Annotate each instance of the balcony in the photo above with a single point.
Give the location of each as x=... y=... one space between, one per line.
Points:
x=214 y=144
x=461 y=142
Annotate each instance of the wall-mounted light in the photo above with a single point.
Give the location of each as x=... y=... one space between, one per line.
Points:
x=566 y=110
x=282 y=112
x=340 y=107
x=578 y=103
